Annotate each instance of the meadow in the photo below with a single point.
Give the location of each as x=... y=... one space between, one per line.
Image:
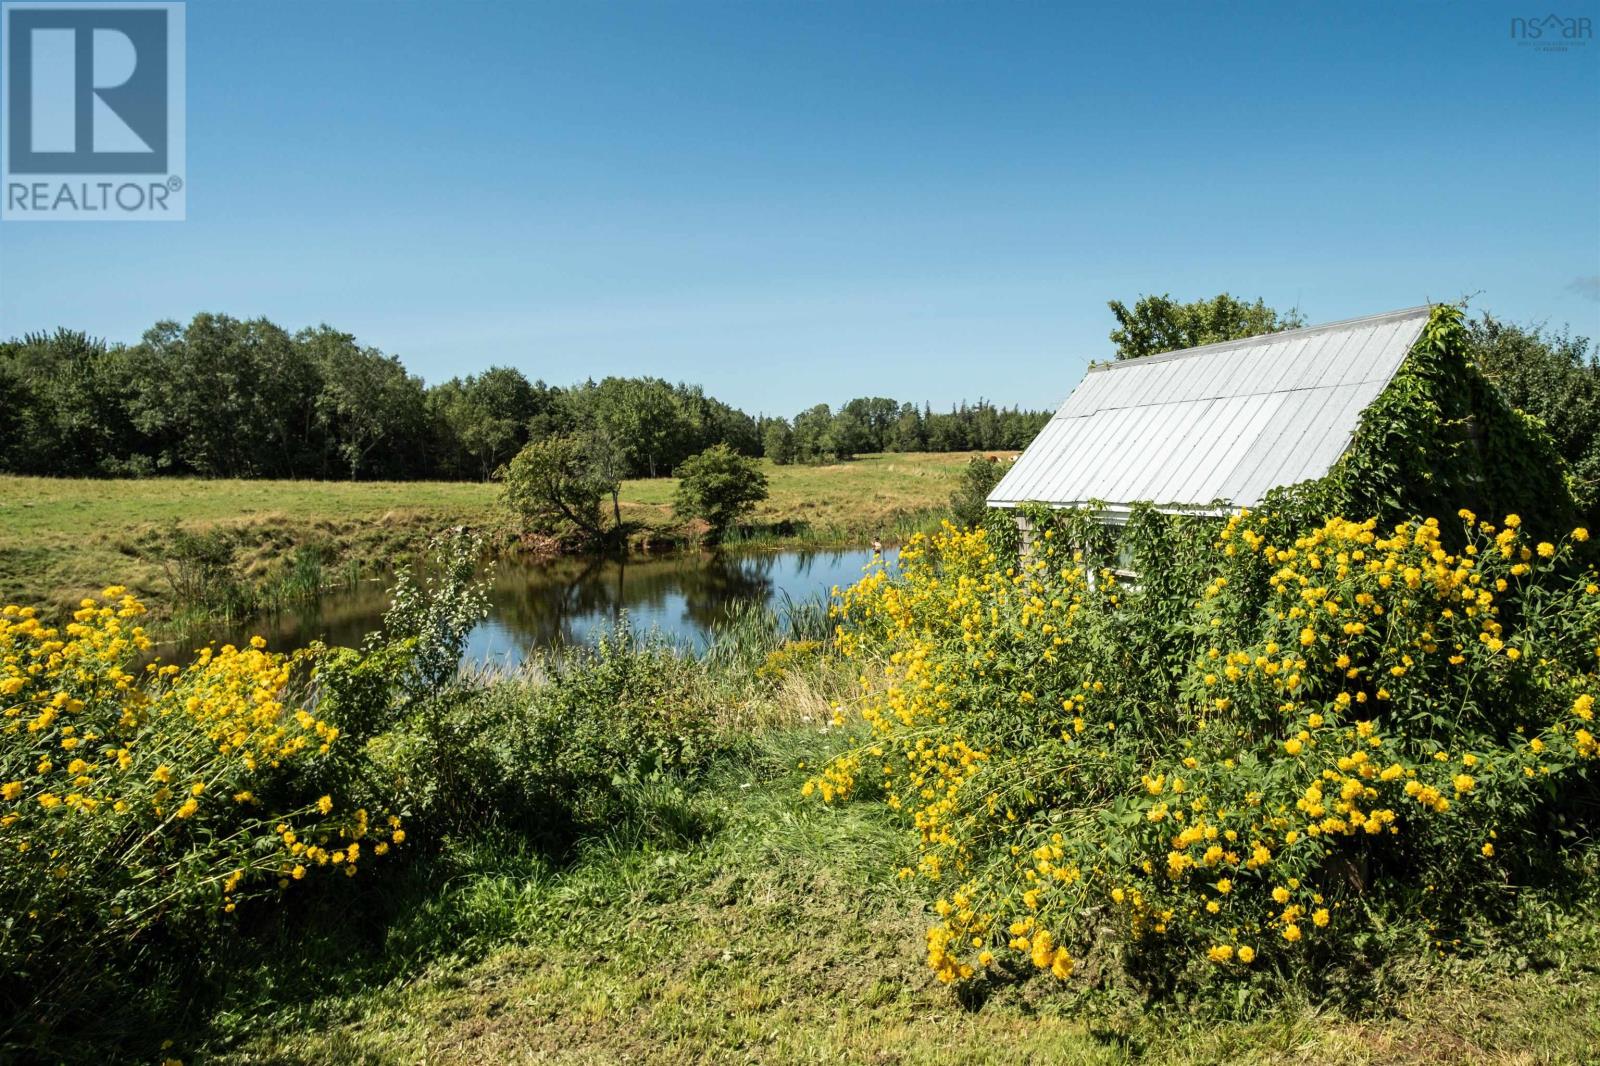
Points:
x=781 y=936
x=985 y=810
x=63 y=538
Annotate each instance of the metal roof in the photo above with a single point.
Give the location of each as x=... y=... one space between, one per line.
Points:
x=1218 y=424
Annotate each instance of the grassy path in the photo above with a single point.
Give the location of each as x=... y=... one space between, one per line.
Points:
x=779 y=938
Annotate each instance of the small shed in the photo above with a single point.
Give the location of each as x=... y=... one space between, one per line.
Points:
x=1210 y=429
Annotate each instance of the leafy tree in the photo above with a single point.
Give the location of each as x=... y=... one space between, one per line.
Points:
x=719 y=485
x=1161 y=324
x=225 y=397
x=486 y=416
x=551 y=486
x=223 y=393
x=61 y=397
x=908 y=434
x=777 y=441
x=368 y=400
x=813 y=434
x=978 y=478
x=644 y=415
x=607 y=463
x=1554 y=377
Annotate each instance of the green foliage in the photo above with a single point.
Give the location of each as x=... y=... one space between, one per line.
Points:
x=1554 y=377
x=224 y=397
x=1274 y=765
x=485 y=418
x=1439 y=438
x=554 y=489
x=199 y=565
x=878 y=424
x=558 y=754
x=718 y=487
x=969 y=504
x=1158 y=324
x=138 y=812
x=777 y=441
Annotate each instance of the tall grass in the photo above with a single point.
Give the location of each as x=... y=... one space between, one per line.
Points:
x=753 y=630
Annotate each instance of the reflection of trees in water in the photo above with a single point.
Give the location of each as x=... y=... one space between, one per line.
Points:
x=544 y=605
x=561 y=601
x=727 y=580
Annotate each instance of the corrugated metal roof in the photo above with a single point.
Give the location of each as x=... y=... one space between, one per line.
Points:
x=1223 y=422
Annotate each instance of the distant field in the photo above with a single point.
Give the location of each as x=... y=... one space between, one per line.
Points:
x=848 y=497
x=61 y=539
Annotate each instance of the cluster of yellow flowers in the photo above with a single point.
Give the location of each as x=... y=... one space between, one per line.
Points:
x=129 y=794
x=1353 y=699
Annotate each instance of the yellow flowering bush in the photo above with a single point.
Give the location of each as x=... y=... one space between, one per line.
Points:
x=133 y=800
x=1259 y=754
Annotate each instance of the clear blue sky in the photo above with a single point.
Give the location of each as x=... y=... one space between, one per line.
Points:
x=798 y=203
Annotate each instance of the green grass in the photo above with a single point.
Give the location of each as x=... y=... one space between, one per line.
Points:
x=858 y=498
x=62 y=539
x=783 y=937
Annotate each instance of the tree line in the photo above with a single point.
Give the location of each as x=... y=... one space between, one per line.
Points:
x=226 y=397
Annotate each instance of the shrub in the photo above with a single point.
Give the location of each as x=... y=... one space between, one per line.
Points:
x=970 y=503
x=556 y=751
x=719 y=486
x=1274 y=756
x=136 y=804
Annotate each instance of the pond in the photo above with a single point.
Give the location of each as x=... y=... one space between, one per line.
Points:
x=570 y=600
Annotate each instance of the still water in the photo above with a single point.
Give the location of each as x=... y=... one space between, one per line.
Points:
x=536 y=605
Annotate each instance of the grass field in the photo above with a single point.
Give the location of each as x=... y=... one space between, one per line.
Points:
x=781 y=937
x=61 y=539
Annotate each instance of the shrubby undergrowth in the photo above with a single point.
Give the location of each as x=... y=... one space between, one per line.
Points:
x=1272 y=758
x=165 y=829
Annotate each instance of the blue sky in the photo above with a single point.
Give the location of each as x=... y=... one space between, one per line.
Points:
x=798 y=203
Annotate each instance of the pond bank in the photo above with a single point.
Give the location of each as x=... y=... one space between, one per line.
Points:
x=62 y=539
x=535 y=604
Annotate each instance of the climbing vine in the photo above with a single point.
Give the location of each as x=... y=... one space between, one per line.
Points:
x=1439 y=438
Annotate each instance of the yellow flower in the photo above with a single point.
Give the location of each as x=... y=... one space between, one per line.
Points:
x=1291 y=932
x=1293 y=745
x=325 y=804
x=1488 y=850
x=1320 y=917
x=188 y=809
x=1247 y=954
x=11 y=790
x=1580 y=534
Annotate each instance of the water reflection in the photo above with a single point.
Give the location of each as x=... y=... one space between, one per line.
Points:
x=536 y=605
